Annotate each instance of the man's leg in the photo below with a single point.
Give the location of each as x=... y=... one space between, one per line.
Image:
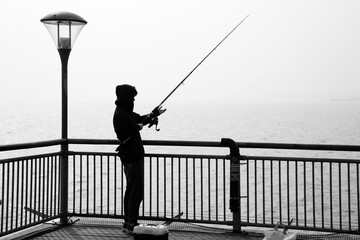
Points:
x=134 y=190
x=137 y=191
x=127 y=169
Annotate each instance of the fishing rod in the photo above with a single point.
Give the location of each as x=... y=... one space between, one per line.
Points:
x=156 y=109
x=152 y=117
x=200 y=63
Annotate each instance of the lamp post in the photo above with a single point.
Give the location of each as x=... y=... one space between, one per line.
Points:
x=64 y=27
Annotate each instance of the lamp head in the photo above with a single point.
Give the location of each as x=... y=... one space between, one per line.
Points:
x=64 y=28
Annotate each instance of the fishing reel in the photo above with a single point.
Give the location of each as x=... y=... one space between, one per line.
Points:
x=154 y=117
x=154 y=121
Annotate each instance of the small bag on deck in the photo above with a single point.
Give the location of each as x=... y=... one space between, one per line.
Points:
x=151 y=232
x=276 y=234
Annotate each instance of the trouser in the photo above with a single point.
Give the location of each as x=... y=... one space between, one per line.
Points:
x=134 y=192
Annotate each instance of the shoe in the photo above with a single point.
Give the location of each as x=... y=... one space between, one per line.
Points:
x=125 y=226
x=128 y=232
x=130 y=227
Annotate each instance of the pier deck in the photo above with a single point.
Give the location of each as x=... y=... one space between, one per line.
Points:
x=109 y=229
x=109 y=233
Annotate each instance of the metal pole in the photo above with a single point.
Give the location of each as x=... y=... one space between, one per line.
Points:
x=64 y=165
x=234 y=182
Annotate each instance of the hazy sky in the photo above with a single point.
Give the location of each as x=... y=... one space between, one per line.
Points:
x=285 y=50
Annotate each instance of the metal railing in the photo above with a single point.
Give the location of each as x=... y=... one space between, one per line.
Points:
x=318 y=193
x=29 y=188
x=195 y=184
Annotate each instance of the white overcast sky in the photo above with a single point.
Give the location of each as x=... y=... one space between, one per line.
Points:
x=285 y=50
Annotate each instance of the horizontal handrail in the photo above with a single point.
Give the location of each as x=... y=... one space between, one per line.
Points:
x=289 y=146
x=22 y=158
x=149 y=142
x=21 y=146
x=299 y=146
x=299 y=159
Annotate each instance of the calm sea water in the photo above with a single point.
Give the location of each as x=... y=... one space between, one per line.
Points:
x=319 y=123
x=308 y=123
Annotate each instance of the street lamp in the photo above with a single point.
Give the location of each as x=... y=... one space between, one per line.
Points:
x=64 y=27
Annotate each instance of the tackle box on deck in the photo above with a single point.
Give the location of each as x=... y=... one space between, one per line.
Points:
x=151 y=232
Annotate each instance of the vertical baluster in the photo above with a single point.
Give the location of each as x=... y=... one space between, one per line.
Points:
x=22 y=193
x=255 y=191
x=7 y=195
x=209 y=188
x=172 y=186
x=35 y=187
x=179 y=182
x=17 y=193
x=12 y=194
x=51 y=178
x=57 y=184
x=358 y=194
x=44 y=189
x=187 y=188
x=31 y=188
x=26 y=191
x=331 y=196
x=108 y=185
x=150 y=187
x=81 y=183
x=122 y=188
x=349 y=195
x=165 y=187
x=296 y=193
x=272 y=192
x=288 y=190
x=48 y=184
x=264 y=191
x=157 y=186
x=101 y=185
x=40 y=190
x=224 y=187
x=280 y=192
x=313 y=192
x=194 y=189
x=340 y=198
x=87 y=184
x=94 y=195
x=115 y=186
x=322 y=194
x=217 y=190
x=247 y=191
x=305 y=213
x=202 y=188
x=74 y=181
x=2 y=197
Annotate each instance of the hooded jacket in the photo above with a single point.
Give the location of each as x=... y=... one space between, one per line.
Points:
x=126 y=127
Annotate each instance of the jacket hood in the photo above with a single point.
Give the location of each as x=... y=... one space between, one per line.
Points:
x=125 y=97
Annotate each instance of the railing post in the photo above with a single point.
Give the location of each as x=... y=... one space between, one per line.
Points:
x=64 y=180
x=234 y=181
